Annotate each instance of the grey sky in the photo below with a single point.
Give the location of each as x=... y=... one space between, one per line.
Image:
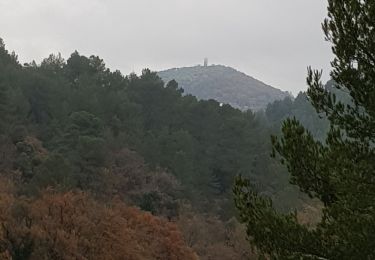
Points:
x=272 y=40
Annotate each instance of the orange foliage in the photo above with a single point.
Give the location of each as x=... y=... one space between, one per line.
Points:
x=74 y=226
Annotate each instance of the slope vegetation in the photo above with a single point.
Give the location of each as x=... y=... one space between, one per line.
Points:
x=224 y=84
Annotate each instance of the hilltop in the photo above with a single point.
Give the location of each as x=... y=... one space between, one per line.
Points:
x=224 y=84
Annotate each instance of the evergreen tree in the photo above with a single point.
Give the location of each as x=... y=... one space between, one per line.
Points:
x=340 y=172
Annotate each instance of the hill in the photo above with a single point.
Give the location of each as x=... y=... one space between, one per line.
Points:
x=77 y=138
x=225 y=85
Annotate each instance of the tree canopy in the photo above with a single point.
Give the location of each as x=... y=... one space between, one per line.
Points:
x=338 y=171
x=75 y=126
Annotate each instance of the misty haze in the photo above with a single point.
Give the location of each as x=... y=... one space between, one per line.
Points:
x=187 y=129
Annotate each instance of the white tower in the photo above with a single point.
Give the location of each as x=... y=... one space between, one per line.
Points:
x=205 y=62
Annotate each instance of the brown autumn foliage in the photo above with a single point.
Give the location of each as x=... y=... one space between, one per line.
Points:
x=136 y=177
x=130 y=178
x=310 y=213
x=212 y=238
x=74 y=226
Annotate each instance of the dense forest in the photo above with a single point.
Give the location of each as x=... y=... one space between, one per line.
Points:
x=86 y=151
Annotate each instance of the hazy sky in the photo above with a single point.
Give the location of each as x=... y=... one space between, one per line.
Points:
x=272 y=40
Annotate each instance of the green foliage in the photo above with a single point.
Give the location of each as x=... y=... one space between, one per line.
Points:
x=339 y=171
x=150 y=202
x=265 y=226
x=302 y=110
x=83 y=113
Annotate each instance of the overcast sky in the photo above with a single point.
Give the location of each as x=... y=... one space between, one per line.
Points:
x=271 y=40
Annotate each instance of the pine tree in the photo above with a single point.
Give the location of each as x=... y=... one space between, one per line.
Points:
x=340 y=172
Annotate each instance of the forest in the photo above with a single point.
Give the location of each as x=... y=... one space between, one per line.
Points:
x=77 y=136
x=99 y=165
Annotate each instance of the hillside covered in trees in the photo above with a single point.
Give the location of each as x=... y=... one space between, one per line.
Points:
x=338 y=170
x=224 y=84
x=86 y=151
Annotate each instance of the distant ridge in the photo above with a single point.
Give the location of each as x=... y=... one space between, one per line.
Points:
x=225 y=85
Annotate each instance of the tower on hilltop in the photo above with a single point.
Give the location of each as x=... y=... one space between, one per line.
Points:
x=205 y=62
